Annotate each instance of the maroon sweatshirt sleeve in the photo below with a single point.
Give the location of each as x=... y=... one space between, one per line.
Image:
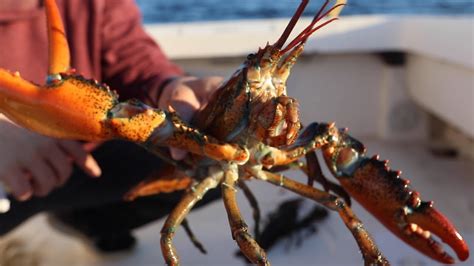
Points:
x=132 y=63
x=107 y=42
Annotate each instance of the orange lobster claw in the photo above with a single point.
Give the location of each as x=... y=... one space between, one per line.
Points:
x=70 y=106
x=389 y=198
x=57 y=108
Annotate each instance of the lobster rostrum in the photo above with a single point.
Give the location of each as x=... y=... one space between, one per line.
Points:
x=249 y=129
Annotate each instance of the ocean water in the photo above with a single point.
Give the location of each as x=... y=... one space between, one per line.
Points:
x=168 y=11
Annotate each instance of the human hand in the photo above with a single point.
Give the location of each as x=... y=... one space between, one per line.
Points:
x=186 y=96
x=31 y=164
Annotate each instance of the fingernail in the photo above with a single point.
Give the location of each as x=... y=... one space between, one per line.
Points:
x=178 y=154
x=25 y=196
x=97 y=172
x=93 y=167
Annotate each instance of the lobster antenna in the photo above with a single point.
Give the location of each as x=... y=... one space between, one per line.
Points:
x=291 y=25
x=304 y=35
x=314 y=21
x=334 y=10
x=305 y=38
x=317 y=16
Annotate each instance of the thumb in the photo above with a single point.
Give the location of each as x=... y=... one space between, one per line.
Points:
x=185 y=102
x=186 y=111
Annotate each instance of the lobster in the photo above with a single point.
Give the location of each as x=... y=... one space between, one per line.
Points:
x=249 y=130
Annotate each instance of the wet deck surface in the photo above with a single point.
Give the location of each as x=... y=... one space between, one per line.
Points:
x=449 y=182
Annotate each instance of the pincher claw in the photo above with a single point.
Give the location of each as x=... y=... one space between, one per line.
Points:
x=391 y=200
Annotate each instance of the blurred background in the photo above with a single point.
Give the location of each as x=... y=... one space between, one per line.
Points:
x=164 y=11
x=398 y=73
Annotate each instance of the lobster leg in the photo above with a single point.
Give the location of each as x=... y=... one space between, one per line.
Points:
x=370 y=252
x=239 y=228
x=315 y=173
x=178 y=214
x=313 y=170
x=166 y=180
x=313 y=137
x=254 y=205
